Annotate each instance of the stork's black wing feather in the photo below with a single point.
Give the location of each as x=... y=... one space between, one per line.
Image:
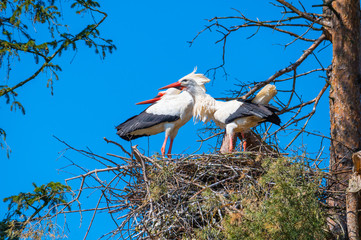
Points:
x=247 y=109
x=142 y=121
x=272 y=108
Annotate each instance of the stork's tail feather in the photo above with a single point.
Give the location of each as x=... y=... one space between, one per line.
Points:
x=123 y=130
x=273 y=118
x=127 y=136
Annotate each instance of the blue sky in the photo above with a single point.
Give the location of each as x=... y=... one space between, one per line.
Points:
x=94 y=95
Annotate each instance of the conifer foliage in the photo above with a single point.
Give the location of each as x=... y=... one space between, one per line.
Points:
x=43 y=30
x=25 y=209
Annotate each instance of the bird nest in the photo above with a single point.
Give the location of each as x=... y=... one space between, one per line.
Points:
x=190 y=196
x=173 y=198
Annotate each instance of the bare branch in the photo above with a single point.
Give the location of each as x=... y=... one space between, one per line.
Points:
x=287 y=69
x=309 y=116
x=304 y=14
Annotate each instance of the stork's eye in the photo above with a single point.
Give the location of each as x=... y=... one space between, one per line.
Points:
x=185 y=80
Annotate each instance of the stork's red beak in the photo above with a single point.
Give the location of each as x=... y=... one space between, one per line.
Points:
x=148 y=101
x=153 y=100
x=173 y=85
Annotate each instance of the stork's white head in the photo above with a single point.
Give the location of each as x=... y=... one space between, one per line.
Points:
x=170 y=91
x=199 y=78
x=204 y=105
x=188 y=84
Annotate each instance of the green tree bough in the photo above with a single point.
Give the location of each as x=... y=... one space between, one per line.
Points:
x=18 y=39
x=26 y=208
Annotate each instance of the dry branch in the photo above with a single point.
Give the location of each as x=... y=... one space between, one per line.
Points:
x=290 y=68
x=292 y=19
x=157 y=198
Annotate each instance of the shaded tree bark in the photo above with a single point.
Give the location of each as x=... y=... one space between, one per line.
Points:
x=345 y=96
x=353 y=199
x=345 y=106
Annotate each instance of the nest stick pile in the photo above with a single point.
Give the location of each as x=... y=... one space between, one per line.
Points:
x=171 y=198
x=179 y=198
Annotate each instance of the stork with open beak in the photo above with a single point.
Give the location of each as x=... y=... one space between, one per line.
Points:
x=234 y=116
x=169 y=112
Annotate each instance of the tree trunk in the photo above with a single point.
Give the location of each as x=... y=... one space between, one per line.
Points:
x=353 y=199
x=345 y=96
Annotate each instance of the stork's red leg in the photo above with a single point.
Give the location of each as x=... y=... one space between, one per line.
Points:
x=162 y=150
x=231 y=147
x=244 y=142
x=170 y=148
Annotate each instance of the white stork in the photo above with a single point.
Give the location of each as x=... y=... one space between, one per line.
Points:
x=169 y=112
x=234 y=116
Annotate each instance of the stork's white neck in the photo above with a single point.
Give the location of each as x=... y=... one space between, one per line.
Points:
x=204 y=107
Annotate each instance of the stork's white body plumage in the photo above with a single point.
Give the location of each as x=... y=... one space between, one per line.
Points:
x=167 y=115
x=178 y=106
x=224 y=110
x=234 y=116
x=171 y=112
x=207 y=108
